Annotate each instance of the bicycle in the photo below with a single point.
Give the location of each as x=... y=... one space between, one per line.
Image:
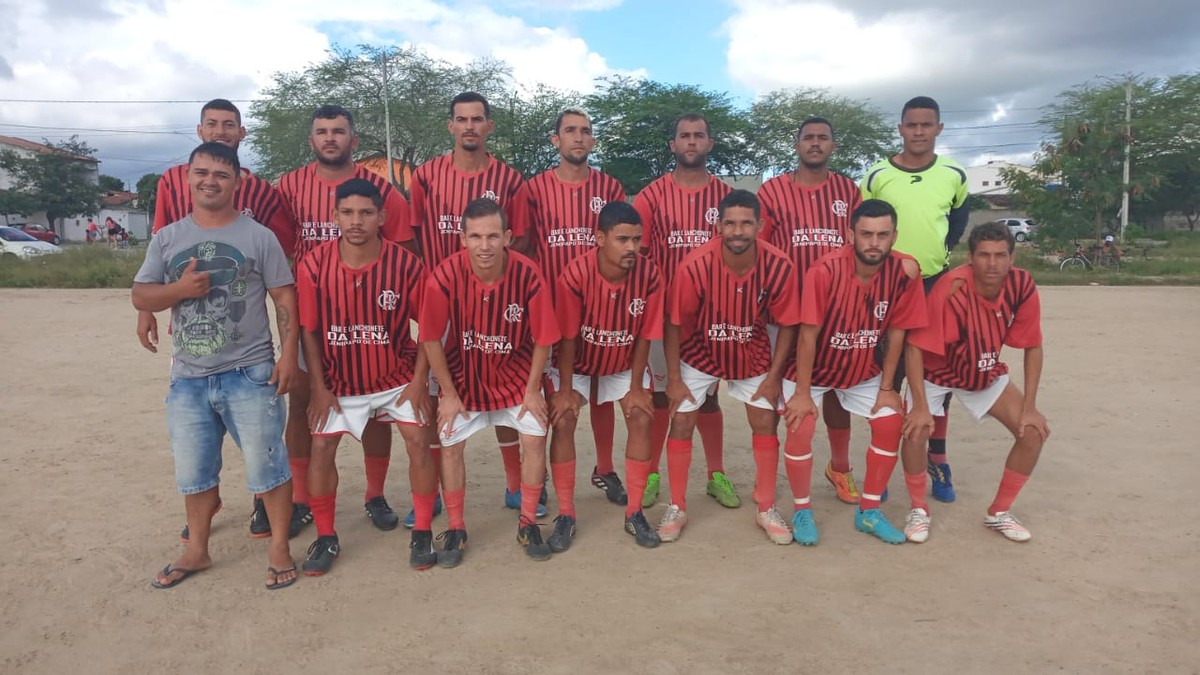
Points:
x=1084 y=259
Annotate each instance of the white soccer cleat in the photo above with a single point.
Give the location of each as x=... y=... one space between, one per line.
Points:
x=916 y=526
x=671 y=525
x=774 y=525
x=1007 y=524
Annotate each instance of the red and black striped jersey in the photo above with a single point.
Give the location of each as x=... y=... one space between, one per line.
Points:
x=563 y=217
x=966 y=331
x=255 y=198
x=807 y=222
x=312 y=199
x=722 y=316
x=441 y=192
x=490 y=329
x=608 y=318
x=362 y=316
x=853 y=317
x=678 y=220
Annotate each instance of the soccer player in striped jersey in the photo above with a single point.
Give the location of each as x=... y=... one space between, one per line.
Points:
x=310 y=192
x=853 y=300
x=806 y=212
x=929 y=191
x=716 y=330
x=564 y=205
x=680 y=214
x=358 y=295
x=974 y=311
x=492 y=308
x=609 y=305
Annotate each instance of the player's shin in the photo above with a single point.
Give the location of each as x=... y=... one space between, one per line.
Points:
x=881 y=459
x=562 y=466
x=798 y=461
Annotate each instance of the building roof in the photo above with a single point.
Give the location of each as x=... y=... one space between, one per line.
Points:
x=38 y=147
x=118 y=198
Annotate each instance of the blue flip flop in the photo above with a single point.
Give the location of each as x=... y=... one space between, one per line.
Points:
x=168 y=571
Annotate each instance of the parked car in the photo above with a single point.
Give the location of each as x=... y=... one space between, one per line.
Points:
x=17 y=244
x=38 y=231
x=1022 y=229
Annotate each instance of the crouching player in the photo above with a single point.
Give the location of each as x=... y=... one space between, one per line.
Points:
x=974 y=310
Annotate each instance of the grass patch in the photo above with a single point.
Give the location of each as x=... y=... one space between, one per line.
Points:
x=76 y=267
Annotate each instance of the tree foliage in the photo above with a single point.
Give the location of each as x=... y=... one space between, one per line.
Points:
x=55 y=182
x=111 y=183
x=147 y=191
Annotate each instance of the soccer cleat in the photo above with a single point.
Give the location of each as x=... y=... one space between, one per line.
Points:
x=410 y=520
x=260 y=527
x=321 y=555
x=301 y=518
x=530 y=536
x=421 y=555
x=564 y=532
x=650 y=496
x=185 y=534
x=847 y=489
x=512 y=500
x=804 y=528
x=611 y=484
x=671 y=525
x=454 y=543
x=916 y=526
x=774 y=525
x=720 y=489
x=382 y=516
x=645 y=535
x=1007 y=524
x=939 y=482
x=872 y=521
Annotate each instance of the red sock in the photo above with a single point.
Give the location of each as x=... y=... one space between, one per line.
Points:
x=563 y=474
x=712 y=435
x=766 y=468
x=881 y=459
x=454 y=501
x=1010 y=484
x=377 y=468
x=937 y=440
x=603 y=423
x=798 y=462
x=323 y=508
x=511 y=454
x=839 y=449
x=299 y=480
x=530 y=494
x=636 y=472
x=659 y=427
x=423 y=510
x=916 y=489
x=679 y=461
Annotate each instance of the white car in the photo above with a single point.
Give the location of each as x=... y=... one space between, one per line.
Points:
x=15 y=243
x=1022 y=229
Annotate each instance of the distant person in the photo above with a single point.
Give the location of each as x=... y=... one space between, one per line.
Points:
x=93 y=231
x=113 y=230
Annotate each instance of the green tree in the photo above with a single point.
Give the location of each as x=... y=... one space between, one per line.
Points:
x=147 y=191
x=58 y=182
x=524 y=123
x=111 y=183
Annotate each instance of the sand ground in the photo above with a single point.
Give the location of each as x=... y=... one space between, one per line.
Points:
x=1108 y=585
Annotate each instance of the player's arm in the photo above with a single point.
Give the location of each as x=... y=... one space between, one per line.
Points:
x=520 y=211
x=917 y=421
x=545 y=334
x=801 y=405
x=638 y=398
x=677 y=391
x=683 y=301
x=564 y=403
x=156 y=297
x=435 y=318
x=959 y=212
x=1030 y=415
x=287 y=321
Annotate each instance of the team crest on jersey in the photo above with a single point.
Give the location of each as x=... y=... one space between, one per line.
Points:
x=597 y=204
x=840 y=208
x=513 y=313
x=387 y=300
x=637 y=307
x=490 y=194
x=712 y=215
x=881 y=309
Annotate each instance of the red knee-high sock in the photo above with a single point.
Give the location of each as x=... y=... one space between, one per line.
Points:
x=839 y=449
x=435 y=453
x=660 y=426
x=455 y=501
x=1010 y=484
x=881 y=459
x=563 y=474
x=423 y=510
x=798 y=461
x=766 y=468
x=603 y=423
x=711 y=426
x=511 y=454
x=377 y=468
x=299 y=480
x=530 y=494
x=679 y=462
x=636 y=472
x=916 y=483
x=323 y=508
x=937 y=440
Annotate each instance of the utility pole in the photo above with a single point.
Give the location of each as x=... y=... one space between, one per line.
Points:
x=1125 y=171
x=387 y=128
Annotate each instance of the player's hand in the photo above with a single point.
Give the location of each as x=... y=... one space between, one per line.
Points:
x=888 y=399
x=918 y=423
x=416 y=394
x=535 y=404
x=1033 y=418
x=193 y=284
x=799 y=406
x=677 y=393
x=286 y=371
x=147 y=331
x=564 y=405
x=770 y=390
x=320 y=403
x=450 y=408
x=637 y=400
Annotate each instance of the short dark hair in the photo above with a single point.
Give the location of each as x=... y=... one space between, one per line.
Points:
x=332 y=112
x=570 y=111
x=617 y=213
x=814 y=120
x=471 y=97
x=221 y=104
x=482 y=207
x=921 y=103
x=358 y=187
x=744 y=198
x=873 y=208
x=991 y=232
x=690 y=117
x=220 y=152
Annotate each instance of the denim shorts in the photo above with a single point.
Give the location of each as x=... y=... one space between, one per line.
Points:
x=201 y=409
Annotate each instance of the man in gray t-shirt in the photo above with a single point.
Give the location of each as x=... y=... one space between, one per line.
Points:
x=214 y=269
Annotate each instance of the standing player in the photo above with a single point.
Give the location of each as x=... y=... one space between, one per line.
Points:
x=853 y=299
x=717 y=330
x=609 y=309
x=680 y=214
x=441 y=190
x=974 y=310
x=493 y=310
x=564 y=204
x=807 y=212
x=358 y=295
x=929 y=192
x=310 y=191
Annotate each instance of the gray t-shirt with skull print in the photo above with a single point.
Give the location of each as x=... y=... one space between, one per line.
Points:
x=229 y=327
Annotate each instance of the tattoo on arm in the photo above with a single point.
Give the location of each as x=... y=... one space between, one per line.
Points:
x=284 y=320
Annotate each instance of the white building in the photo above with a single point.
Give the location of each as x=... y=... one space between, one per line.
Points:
x=985 y=180
x=26 y=149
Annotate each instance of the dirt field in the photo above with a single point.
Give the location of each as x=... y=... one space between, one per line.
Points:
x=1108 y=585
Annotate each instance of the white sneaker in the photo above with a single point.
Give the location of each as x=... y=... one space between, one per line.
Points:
x=916 y=526
x=1007 y=524
x=774 y=525
x=671 y=525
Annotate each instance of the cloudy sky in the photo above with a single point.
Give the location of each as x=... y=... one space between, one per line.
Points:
x=127 y=75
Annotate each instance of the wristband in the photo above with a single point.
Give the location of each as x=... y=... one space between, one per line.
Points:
x=885 y=389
